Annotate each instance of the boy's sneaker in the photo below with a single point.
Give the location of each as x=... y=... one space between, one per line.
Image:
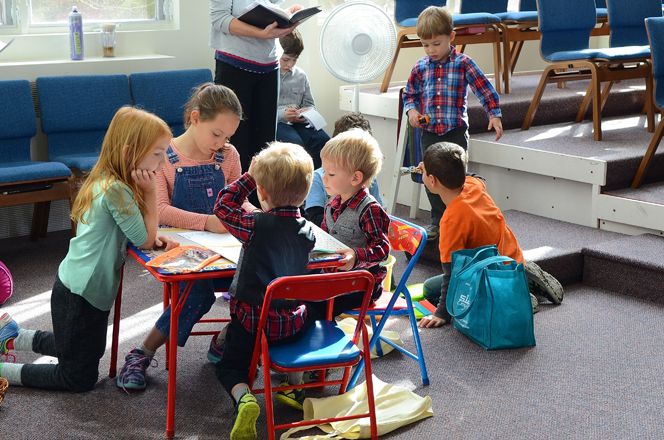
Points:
x=8 y=331
x=216 y=351
x=534 y=302
x=433 y=231
x=132 y=375
x=543 y=284
x=293 y=398
x=247 y=411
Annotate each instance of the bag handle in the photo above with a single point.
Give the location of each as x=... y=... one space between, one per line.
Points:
x=472 y=269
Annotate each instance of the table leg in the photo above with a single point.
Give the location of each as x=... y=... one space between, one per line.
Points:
x=115 y=340
x=173 y=352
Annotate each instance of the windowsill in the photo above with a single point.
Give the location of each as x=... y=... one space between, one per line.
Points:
x=89 y=60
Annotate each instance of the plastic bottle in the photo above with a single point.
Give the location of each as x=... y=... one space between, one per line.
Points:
x=76 y=34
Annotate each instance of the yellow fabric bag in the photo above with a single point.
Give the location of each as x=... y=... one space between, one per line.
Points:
x=395 y=407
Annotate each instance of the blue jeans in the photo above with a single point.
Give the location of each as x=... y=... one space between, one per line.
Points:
x=311 y=139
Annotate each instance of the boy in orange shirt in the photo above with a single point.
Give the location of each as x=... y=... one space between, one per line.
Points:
x=471 y=219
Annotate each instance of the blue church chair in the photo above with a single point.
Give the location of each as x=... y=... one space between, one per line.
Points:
x=655 y=28
x=76 y=112
x=22 y=180
x=565 y=26
x=322 y=345
x=411 y=238
x=165 y=93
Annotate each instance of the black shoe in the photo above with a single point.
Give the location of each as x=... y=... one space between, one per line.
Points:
x=543 y=284
x=433 y=231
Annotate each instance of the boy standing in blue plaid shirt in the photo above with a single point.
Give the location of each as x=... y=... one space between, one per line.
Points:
x=435 y=98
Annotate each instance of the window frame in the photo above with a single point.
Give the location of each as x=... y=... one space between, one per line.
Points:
x=20 y=11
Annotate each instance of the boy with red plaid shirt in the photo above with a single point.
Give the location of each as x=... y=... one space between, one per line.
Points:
x=436 y=95
x=276 y=242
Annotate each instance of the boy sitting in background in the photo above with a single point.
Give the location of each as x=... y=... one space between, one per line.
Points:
x=294 y=97
x=351 y=160
x=436 y=95
x=276 y=243
x=317 y=198
x=471 y=220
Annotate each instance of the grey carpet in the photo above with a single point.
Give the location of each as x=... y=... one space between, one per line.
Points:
x=652 y=193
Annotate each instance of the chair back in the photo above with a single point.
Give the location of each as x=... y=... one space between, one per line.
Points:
x=528 y=5
x=565 y=25
x=655 y=28
x=488 y=6
x=626 y=21
x=147 y=90
x=407 y=11
x=76 y=112
x=17 y=121
x=406 y=237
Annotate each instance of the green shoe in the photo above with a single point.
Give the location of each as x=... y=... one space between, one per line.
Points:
x=293 y=398
x=247 y=411
x=543 y=284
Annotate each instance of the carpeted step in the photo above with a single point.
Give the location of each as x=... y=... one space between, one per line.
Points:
x=630 y=265
x=555 y=245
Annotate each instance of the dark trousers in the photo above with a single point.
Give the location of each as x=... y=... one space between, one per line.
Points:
x=78 y=341
x=258 y=94
x=311 y=139
x=457 y=136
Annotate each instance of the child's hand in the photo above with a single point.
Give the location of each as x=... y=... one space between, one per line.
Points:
x=497 y=125
x=144 y=179
x=414 y=118
x=431 y=321
x=213 y=224
x=348 y=260
x=420 y=168
x=292 y=114
x=165 y=243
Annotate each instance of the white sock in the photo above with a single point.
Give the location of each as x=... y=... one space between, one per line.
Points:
x=23 y=341
x=11 y=372
x=239 y=390
x=147 y=352
x=5 y=319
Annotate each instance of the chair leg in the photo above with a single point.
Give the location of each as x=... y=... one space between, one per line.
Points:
x=267 y=386
x=532 y=109
x=369 y=382
x=650 y=108
x=507 y=69
x=514 y=55
x=39 y=220
x=390 y=70
x=497 y=71
x=583 y=108
x=650 y=152
x=416 y=338
x=379 y=348
x=597 y=104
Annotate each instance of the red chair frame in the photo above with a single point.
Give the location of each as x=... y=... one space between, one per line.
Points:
x=315 y=287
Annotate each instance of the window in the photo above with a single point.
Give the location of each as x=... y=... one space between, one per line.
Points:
x=34 y=16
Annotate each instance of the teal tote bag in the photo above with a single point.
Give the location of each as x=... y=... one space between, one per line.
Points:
x=489 y=300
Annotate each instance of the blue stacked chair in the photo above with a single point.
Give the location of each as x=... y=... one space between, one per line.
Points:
x=22 y=180
x=165 y=93
x=655 y=28
x=566 y=26
x=76 y=112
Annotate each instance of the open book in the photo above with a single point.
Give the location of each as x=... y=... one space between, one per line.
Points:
x=325 y=243
x=314 y=118
x=261 y=13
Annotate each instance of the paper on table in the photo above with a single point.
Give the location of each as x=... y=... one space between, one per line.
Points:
x=314 y=118
x=224 y=244
x=4 y=45
x=325 y=243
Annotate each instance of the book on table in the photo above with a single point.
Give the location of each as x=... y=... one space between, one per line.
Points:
x=262 y=13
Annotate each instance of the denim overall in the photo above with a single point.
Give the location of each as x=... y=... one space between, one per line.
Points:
x=195 y=190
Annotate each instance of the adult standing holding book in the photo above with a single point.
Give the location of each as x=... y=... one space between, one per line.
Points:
x=246 y=62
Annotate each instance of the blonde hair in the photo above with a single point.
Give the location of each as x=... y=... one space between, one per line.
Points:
x=354 y=150
x=129 y=138
x=434 y=21
x=285 y=171
x=210 y=99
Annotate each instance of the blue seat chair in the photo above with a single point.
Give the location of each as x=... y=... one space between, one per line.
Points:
x=76 y=112
x=165 y=93
x=407 y=237
x=22 y=180
x=321 y=345
x=655 y=28
x=519 y=26
x=477 y=23
x=627 y=28
x=566 y=26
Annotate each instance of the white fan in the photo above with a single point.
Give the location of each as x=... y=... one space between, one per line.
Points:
x=357 y=43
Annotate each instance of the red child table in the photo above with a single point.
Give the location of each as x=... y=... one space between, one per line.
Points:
x=171 y=281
